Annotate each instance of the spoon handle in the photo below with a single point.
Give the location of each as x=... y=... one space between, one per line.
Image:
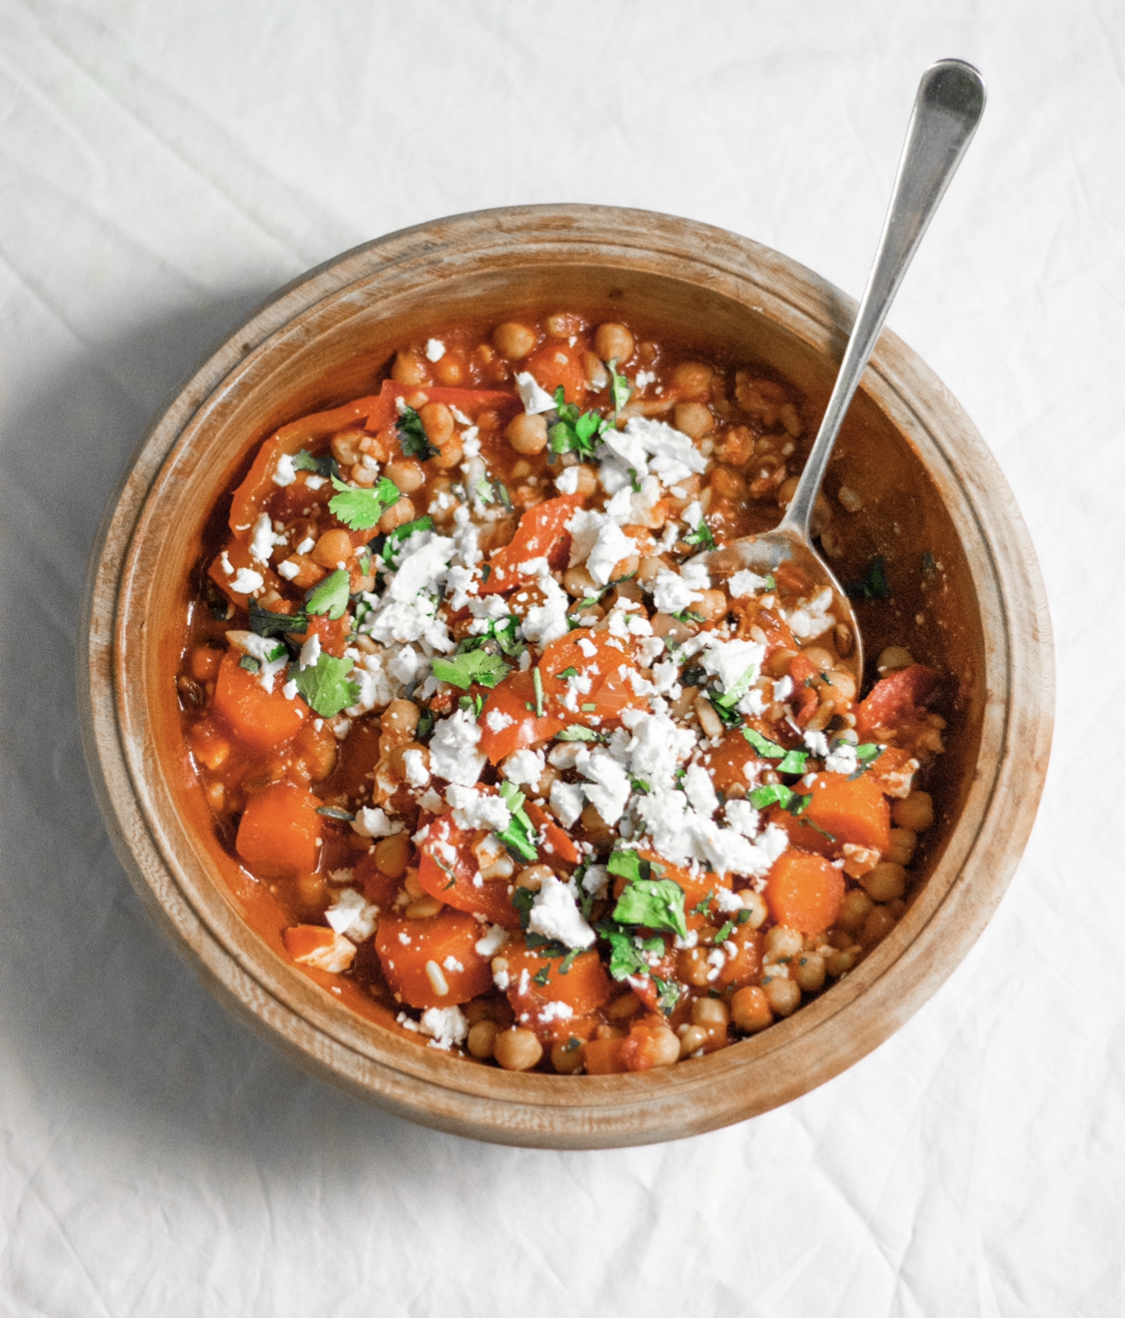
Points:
x=947 y=109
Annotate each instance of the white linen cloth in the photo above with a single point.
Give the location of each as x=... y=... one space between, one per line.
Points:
x=163 y=167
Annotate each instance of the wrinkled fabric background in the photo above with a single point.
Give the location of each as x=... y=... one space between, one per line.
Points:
x=163 y=167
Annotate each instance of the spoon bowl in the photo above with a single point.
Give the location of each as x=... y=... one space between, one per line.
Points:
x=947 y=109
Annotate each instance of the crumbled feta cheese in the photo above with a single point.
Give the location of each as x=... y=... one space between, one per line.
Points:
x=247 y=581
x=310 y=652
x=534 y=398
x=284 y=472
x=262 y=539
x=475 y=809
x=453 y=749
x=414 y=766
x=783 y=689
x=566 y=802
x=671 y=593
x=611 y=546
x=496 y=720
x=700 y=790
x=742 y=817
x=745 y=583
x=492 y=941
x=435 y=349
x=446 y=1026
x=372 y=821
x=271 y=655
x=731 y=661
x=546 y=622
x=812 y=617
x=566 y=482
x=288 y=569
x=351 y=914
x=555 y=914
x=525 y=767
x=842 y=759
x=607 y=784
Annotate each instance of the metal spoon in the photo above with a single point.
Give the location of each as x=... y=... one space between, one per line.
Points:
x=947 y=109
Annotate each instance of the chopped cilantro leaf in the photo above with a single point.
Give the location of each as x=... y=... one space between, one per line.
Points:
x=568 y=672
x=868 y=751
x=576 y=732
x=543 y=977
x=701 y=536
x=668 y=994
x=625 y=957
x=474 y=666
x=724 y=933
x=588 y=708
x=325 y=465
x=653 y=903
x=731 y=697
x=874 y=585
x=703 y=907
x=729 y=717
x=574 y=432
x=249 y=663
x=265 y=623
x=688 y=615
x=771 y=794
x=569 y=960
x=626 y=864
x=519 y=836
x=325 y=685
x=425 y=725
x=473 y=703
x=793 y=762
x=503 y=495
x=412 y=436
x=331 y=596
x=360 y=510
x=523 y=899
x=620 y=388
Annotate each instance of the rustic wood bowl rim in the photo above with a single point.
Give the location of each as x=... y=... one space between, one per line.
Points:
x=795 y=1055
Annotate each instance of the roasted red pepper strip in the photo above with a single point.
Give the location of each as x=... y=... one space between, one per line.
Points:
x=541 y=533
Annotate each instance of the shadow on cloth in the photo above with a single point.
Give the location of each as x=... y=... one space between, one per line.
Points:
x=96 y=1010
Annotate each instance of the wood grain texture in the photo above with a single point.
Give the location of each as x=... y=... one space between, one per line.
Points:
x=321 y=340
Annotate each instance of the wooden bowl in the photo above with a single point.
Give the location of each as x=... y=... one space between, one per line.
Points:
x=907 y=443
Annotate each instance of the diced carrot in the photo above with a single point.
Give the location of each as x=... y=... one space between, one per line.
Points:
x=850 y=809
x=279 y=834
x=607 y=669
x=537 y=982
x=604 y=1056
x=894 y=699
x=513 y=699
x=557 y=844
x=237 y=555
x=433 y=962
x=324 y=949
x=541 y=533
x=743 y=950
x=257 y=718
x=804 y=891
x=557 y=363
x=333 y=634
x=448 y=870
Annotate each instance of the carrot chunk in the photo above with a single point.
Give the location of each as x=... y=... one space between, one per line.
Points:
x=804 y=891
x=258 y=718
x=604 y=1056
x=546 y=997
x=846 y=809
x=279 y=834
x=433 y=962
x=448 y=870
x=541 y=533
x=323 y=949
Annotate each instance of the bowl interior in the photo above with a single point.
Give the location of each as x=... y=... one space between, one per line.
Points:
x=906 y=446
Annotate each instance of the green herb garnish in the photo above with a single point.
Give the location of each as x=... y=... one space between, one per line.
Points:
x=395 y=540
x=874 y=585
x=331 y=596
x=791 y=761
x=654 y=904
x=620 y=388
x=325 y=685
x=265 y=623
x=325 y=466
x=473 y=666
x=574 y=432
x=360 y=510
x=412 y=436
x=519 y=836
x=576 y=732
x=701 y=536
x=249 y=663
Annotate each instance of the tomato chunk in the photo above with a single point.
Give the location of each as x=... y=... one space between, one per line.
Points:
x=509 y=722
x=894 y=699
x=557 y=364
x=279 y=835
x=448 y=870
x=433 y=962
x=258 y=718
x=541 y=533
x=804 y=892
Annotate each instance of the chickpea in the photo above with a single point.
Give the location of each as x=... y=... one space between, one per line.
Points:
x=597 y=377
x=407 y=473
x=622 y=1008
x=451 y=454
x=567 y=1057
x=346 y=446
x=755 y=903
x=692 y=1039
x=401 y=717
x=392 y=853
x=693 y=379
x=737 y=447
x=886 y=882
x=513 y=340
x=820 y=658
x=586 y=480
x=664 y=1046
x=332 y=550
x=711 y=1013
x=877 y=926
x=750 y=1010
x=782 y=941
x=481 y=1038
x=410 y=368
x=903 y=844
x=649 y=569
x=693 y=419
x=613 y=342
x=578 y=582
x=693 y=967
x=398 y=514
x=672 y=629
x=893 y=658
x=784 y=995
x=562 y=324
x=711 y=606
x=809 y=971
x=527 y=433
x=728 y=484
x=854 y=909
x=915 y=812
x=423 y=908
x=839 y=962
x=437 y=422
x=533 y=877
x=517 y=1050
x=842 y=685
x=625 y=567
x=450 y=370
